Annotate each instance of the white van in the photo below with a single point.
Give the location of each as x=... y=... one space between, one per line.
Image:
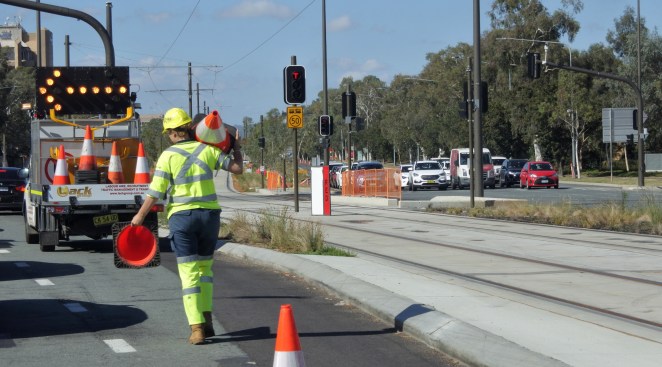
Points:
x=497 y=161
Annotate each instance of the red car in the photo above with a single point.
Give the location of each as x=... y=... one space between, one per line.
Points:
x=538 y=174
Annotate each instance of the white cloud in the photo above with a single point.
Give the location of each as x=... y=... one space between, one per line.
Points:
x=357 y=71
x=257 y=8
x=340 y=24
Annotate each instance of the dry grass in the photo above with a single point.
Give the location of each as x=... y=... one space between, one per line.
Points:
x=277 y=230
x=645 y=218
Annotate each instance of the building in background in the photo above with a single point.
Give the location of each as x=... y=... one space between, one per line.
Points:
x=20 y=47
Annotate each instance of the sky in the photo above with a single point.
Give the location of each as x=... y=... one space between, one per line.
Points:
x=238 y=48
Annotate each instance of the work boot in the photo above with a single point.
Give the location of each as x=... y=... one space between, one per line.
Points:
x=209 y=326
x=197 y=334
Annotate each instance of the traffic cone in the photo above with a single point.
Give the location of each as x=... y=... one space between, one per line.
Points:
x=61 y=169
x=211 y=131
x=288 y=350
x=88 y=161
x=142 y=167
x=115 y=174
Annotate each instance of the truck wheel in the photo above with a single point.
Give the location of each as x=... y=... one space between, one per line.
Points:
x=48 y=241
x=31 y=236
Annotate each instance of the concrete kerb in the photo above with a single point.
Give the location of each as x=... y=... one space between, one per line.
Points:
x=438 y=330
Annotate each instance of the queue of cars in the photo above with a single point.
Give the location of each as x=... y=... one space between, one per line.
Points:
x=435 y=173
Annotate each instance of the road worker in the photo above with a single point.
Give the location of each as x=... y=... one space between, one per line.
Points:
x=185 y=172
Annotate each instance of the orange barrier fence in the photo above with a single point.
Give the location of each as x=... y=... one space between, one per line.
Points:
x=274 y=180
x=372 y=183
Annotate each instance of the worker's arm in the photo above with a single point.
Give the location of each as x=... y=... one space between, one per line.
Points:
x=139 y=218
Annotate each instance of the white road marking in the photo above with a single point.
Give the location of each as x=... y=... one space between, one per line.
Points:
x=3 y=251
x=43 y=282
x=22 y=264
x=75 y=307
x=119 y=346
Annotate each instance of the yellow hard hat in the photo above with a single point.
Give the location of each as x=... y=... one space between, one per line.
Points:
x=174 y=118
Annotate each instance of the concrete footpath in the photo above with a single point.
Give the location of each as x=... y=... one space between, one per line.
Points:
x=415 y=301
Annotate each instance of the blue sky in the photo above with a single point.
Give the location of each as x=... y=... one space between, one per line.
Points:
x=238 y=48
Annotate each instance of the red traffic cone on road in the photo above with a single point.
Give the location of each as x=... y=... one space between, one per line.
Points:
x=211 y=130
x=142 y=167
x=288 y=349
x=61 y=169
x=115 y=174
x=88 y=161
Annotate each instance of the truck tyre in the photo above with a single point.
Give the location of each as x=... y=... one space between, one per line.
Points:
x=48 y=241
x=31 y=236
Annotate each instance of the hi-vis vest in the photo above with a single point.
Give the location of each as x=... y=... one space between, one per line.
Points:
x=184 y=171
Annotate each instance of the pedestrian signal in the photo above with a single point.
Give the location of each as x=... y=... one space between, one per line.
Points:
x=533 y=65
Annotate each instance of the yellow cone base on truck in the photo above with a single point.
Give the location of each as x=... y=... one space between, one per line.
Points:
x=147 y=252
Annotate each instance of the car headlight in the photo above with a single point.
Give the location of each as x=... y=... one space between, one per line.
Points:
x=415 y=174
x=554 y=174
x=490 y=173
x=533 y=175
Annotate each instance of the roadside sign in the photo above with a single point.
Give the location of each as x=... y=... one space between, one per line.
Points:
x=295 y=117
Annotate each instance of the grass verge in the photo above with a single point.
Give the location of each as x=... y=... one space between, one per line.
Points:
x=645 y=218
x=276 y=229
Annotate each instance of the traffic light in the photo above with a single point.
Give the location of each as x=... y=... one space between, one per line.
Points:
x=348 y=104
x=533 y=65
x=83 y=90
x=326 y=125
x=635 y=124
x=260 y=142
x=630 y=139
x=294 y=78
x=359 y=123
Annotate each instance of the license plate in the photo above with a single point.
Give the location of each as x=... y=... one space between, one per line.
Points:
x=105 y=219
x=4 y=188
x=543 y=181
x=430 y=181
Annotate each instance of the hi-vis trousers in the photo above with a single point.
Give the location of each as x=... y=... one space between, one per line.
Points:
x=193 y=238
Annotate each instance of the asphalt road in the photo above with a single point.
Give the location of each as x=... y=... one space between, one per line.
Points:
x=73 y=307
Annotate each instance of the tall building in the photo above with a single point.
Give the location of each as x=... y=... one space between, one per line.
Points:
x=20 y=47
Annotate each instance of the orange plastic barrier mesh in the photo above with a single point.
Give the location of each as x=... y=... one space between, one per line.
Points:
x=274 y=180
x=372 y=183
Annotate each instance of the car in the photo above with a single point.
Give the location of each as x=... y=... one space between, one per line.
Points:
x=538 y=174
x=446 y=165
x=333 y=166
x=12 y=187
x=427 y=174
x=509 y=172
x=339 y=172
x=369 y=174
x=404 y=175
x=497 y=161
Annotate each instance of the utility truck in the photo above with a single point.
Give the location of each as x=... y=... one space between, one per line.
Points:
x=461 y=168
x=61 y=200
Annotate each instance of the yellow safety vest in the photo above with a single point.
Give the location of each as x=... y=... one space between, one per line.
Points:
x=184 y=175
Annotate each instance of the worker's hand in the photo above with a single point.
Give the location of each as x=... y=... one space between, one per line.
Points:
x=137 y=220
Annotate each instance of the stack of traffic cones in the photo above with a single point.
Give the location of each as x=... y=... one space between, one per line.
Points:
x=288 y=349
x=142 y=167
x=88 y=161
x=211 y=131
x=115 y=174
x=61 y=169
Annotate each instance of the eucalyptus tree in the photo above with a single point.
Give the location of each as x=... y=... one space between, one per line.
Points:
x=623 y=39
x=519 y=27
x=19 y=88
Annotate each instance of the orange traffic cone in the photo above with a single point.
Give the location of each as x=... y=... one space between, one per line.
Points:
x=288 y=350
x=115 y=174
x=87 y=160
x=142 y=167
x=211 y=131
x=61 y=169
